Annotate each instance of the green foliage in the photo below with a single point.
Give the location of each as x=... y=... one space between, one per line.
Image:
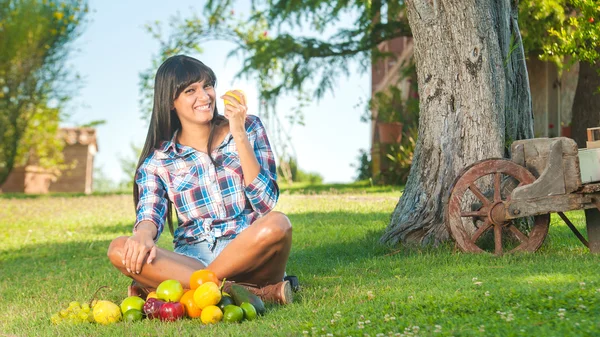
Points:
x=579 y=36
x=351 y=285
x=364 y=167
x=295 y=173
x=129 y=165
x=35 y=41
x=555 y=29
x=281 y=61
x=399 y=157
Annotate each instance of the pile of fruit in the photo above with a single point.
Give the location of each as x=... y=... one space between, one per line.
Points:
x=170 y=302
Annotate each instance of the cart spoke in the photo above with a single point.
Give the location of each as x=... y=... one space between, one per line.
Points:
x=497 y=196
x=478 y=194
x=472 y=214
x=481 y=230
x=522 y=237
x=498 y=240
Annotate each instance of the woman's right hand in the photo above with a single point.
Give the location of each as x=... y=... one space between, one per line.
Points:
x=137 y=247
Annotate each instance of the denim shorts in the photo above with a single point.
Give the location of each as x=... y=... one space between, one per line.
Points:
x=201 y=250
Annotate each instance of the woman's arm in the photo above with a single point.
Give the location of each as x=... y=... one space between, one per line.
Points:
x=258 y=162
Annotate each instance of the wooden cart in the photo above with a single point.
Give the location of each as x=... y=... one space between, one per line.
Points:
x=501 y=205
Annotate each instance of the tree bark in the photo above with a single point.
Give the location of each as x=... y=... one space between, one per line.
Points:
x=474 y=101
x=586 y=104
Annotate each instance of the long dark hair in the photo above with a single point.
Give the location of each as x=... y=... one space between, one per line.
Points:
x=172 y=77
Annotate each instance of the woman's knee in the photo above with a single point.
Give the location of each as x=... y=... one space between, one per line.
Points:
x=115 y=250
x=276 y=228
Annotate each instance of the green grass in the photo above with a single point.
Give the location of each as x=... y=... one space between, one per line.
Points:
x=53 y=251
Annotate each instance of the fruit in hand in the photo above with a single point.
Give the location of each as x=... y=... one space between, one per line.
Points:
x=211 y=315
x=207 y=294
x=169 y=291
x=132 y=302
x=202 y=276
x=106 y=312
x=152 y=307
x=171 y=311
x=232 y=93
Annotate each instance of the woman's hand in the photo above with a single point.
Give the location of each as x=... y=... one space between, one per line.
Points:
x=235 y=111
x=138 y=246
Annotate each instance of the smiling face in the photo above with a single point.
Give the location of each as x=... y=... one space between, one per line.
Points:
x=196 y=104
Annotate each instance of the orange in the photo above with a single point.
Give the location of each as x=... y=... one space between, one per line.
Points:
x=211 y=315
x=191 y=309
x=151 y=294
x=207 y=294
x=202 y=276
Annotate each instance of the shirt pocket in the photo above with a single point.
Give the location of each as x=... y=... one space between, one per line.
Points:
x=183 y=179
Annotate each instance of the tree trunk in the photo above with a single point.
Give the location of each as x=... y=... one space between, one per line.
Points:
x=474 y=101
x=586 y=104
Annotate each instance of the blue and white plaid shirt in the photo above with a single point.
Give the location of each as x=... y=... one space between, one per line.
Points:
x=211 y=201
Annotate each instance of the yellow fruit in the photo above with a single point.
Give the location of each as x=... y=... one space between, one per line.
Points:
x=211 y=315
x=152 y=294
x=207 y=294
x=106 y=312
x=232 y=93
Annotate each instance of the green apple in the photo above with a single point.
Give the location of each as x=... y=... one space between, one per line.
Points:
x=132 y=302
x=169 y=291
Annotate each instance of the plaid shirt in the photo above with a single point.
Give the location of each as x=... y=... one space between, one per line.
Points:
x=211 y=201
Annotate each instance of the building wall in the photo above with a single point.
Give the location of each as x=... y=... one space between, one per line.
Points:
x=15 y=183
x=79 y=152
x=78 y=177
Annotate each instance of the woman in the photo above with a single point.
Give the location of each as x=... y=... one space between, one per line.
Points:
x=218 y=172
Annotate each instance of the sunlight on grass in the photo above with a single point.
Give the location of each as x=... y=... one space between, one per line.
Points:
x=53 y=251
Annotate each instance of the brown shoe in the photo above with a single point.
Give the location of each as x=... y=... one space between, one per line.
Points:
x=280 y=293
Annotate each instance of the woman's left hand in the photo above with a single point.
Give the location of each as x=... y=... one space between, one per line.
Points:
x=235 y=110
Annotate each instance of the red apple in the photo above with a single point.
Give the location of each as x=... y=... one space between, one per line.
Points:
x=171 y=311
x=152 y=307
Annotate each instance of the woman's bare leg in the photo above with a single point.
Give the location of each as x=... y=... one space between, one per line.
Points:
x=259 y=254
x=167 y=265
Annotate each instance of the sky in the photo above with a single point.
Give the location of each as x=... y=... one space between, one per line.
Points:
x=114 y=48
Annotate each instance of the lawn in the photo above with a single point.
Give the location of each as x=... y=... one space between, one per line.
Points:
x=53 y=251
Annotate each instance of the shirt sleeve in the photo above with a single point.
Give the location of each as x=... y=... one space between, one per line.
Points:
x=153 y=202
x=263 y=191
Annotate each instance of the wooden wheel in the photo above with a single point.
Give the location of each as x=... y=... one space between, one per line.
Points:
x=476 y=210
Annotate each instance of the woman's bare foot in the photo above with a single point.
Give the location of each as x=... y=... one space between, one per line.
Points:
x=136 y=289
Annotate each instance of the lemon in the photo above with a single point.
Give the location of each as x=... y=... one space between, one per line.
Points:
x=207 y=294
x=106 y=312
x=211 y=315
x=232 y=93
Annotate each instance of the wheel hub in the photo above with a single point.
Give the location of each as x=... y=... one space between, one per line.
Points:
x=497 y=214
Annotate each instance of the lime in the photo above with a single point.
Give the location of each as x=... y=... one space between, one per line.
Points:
x=249 y=311
x=225 y=301
x=133 y=315
x=233 y=313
